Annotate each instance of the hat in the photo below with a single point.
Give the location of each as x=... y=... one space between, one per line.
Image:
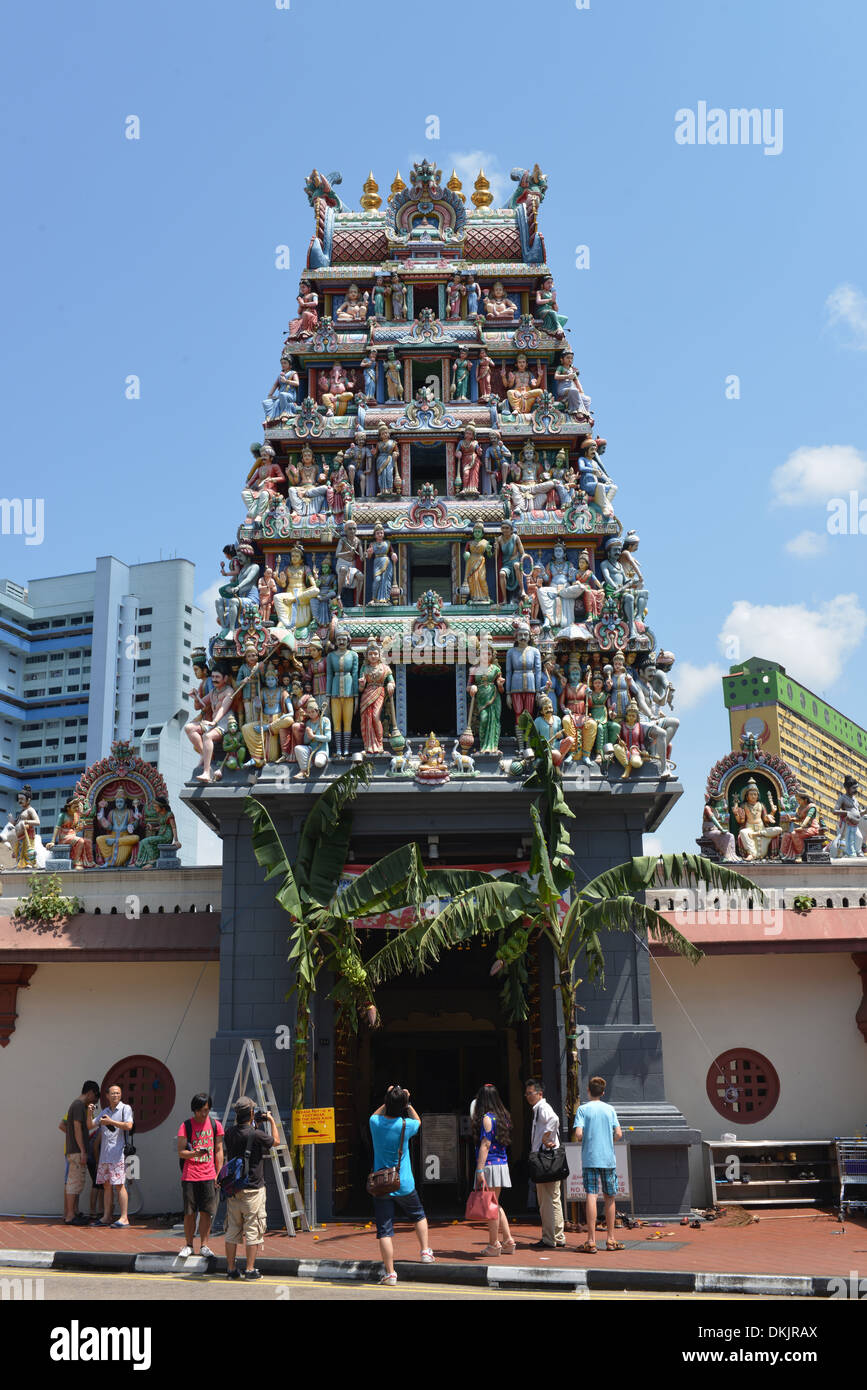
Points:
x=243 y=1104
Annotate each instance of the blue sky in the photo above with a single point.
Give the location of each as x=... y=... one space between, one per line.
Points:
x=156 y=257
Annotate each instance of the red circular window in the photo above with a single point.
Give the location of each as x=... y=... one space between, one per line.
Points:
x=147 y=1086
x=742 y=1085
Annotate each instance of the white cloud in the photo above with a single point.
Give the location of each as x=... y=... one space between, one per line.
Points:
x=207 y=599
x=652 y=844
x=814 y=475
x=693 y=683
x=846 y=306
x=812 y=643
x=807 y=544
x=467 y=166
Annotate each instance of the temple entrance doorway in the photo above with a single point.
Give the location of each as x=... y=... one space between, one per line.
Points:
x=430 y=700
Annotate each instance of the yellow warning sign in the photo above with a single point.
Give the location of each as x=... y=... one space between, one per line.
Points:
x=313 y=1126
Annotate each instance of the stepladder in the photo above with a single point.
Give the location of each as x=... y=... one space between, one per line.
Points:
x=252 y=1079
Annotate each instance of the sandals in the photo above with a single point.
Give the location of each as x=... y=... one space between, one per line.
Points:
x=509 y=1247
x=588 y=1249
x=493 y=1250
x=614 y=1245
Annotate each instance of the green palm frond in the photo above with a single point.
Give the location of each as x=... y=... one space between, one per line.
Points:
x=323 y=843
x=492 y=905
x=625 y=913
x=398 y=878
x=271 y=856
x=649 y=870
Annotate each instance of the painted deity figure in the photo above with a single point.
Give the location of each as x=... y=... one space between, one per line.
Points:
x=485 y=687
x=591 y=589
x=354 y=306
x=398 y=298
x=629 y=560
x=24 y=827
x=205 y=732
x=802 y=825
x=359 y=464
x=654 y=696
x=68 y=832
x=473 y=291
x=621 y=687
x=262 y=488
x=267 y=588
x=714 y=827
x=393 y=382
x=469 y=456
x=120 y=826
x=523 y=676
x=294 y=604
x=282 y=400
x=326 y=583
x=349 y=558
x=496 y=465
x=380 y=294
x=375 y=683
x=511 y=574
x=383 y=569
x=308 y=316
x=342 y=669
x=758 y=831
x=546 y=309
x=557 y=733
x=461 y=379
x=607 y=730
x=575 y=697
x=618 y=583
x=629 y=750
x=849 y=839
x=567 y=387
x=317 y=671
x=336 y=389
x=387 y=474
x=244 y=577
x=166 y=833
x=522 y=388
x=312 y=753
x=260 y=735
x=339 y=490
x=593 y=479
x=484 y=367
x=247 y=679
x=454 y=292
x=498 y=305
x=370 y=370
x=555 y=600
x=476 y=555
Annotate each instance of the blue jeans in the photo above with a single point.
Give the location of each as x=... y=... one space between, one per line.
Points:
x=383 y=1207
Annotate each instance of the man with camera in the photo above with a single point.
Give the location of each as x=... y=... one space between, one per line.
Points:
x=248 y=1139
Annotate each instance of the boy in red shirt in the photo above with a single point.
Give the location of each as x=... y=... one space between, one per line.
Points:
x=200 y=1147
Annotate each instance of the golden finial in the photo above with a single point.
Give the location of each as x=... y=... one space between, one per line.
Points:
x=397 y=187
x=455 y=185
x=482 y=197
x=371 y=199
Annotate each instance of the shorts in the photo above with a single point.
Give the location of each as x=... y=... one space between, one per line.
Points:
x=598 y=1180
x=200 y=1196
x=115 y=1173
x=383 y=1208
x=76 y=1171
x=245 y=1217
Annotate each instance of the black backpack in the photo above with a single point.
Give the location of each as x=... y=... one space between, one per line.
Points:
x=188 y=1131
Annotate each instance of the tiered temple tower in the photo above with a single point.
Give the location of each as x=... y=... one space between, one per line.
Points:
x=427 y=547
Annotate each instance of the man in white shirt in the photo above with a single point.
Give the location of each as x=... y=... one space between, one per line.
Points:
x=545 y=1134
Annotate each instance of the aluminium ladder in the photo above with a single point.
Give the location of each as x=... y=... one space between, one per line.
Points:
x=252 y=1067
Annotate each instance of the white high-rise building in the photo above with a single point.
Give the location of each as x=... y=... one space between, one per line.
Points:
x=89 y=658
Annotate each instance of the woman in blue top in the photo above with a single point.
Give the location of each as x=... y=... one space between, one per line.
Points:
x=386 y=1125
x=492 y=1133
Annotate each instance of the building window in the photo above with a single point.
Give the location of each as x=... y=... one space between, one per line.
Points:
x=188 y=627
x=145 y=612
x=742 y=1085
x=146 y=662
x=145 y=1085
x=143 y=627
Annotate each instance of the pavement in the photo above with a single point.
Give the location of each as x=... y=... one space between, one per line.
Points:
x=785 y=1252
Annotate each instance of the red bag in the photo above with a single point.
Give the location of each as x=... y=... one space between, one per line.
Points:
x=482 y=1205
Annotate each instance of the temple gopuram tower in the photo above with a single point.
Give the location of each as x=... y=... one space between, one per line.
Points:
x=426 y=546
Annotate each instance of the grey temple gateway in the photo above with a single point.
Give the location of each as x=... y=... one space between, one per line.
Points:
x=426 y=547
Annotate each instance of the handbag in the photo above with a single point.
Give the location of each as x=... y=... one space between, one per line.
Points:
x=548 y=1165
x=482 y=1205
x=385 y=1181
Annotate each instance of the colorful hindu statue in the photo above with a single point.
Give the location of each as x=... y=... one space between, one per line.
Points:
x=354 y=306
x=206 y=730
x=511 y=576
x=522 y=388
x=393 y=378
x=559 y=734
x=397 y=294
x=349 y=558
x=432 y=766
x=261 y=733
x=523 y=676
x=607 y=729
x=359 y=464
x=546 y=308
x=24 y=829
x=308 y=317
x=629 y=750
x=556 y=600
x=166 y=833
x=849 y=839
x=267 y=588
x=312 y=754
x=758 y=831
x=453 y=297
x=294 y=604
x=370 y=370
x=121 y=823
x=802 y=824
x=336 y=389
x=714 y=827
x=484 y=367
x=498 y=305
x=567 y=387
x=485 y=688
x=282 y=400
x=469 y=453
x=69 y=832
x=385 y=462
x=591 y=595
x=575 y=697
x=342 y=667
x=477 y=554
x=262 y=489
x=461 y=379
x=473 y=292
x=618 y=583
x=497 y=463
x=383 y=569
x=376 y=683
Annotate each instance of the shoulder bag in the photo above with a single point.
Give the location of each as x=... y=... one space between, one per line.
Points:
x=385 y=1181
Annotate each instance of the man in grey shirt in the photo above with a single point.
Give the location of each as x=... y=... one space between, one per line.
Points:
x=545 y=1134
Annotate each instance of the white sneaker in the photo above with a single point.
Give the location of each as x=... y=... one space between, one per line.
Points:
x=185 y=1253
x=207 y=1252
x=428 y=1257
